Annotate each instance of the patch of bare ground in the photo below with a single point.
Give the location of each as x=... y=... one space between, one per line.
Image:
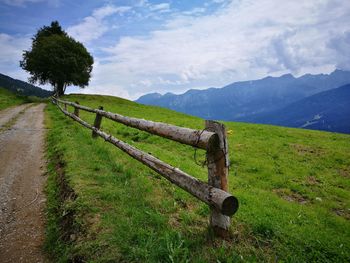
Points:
x=312 y=180
x=307 y=150
x=70 y=231
x=66 y=194
x=345 y=172
x=290 y=196
x=343 y=212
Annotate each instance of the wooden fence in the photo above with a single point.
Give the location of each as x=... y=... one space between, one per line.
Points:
x=212 y=139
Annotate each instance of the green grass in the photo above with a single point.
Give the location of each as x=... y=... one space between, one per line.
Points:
x=8 y=99
x=293 y=187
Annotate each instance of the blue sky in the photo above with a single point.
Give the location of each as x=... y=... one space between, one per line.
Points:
x=164 y=46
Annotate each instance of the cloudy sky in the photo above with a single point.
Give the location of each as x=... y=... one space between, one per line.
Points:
x=164 y=46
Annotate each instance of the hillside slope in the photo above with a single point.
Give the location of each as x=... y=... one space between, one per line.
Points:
x=22 y=88
x=328 y=110
x=103 y=206
x=8 y=99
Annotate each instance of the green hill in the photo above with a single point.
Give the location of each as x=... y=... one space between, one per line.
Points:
x=103 y=206
x=8 y=99
x=22 y=88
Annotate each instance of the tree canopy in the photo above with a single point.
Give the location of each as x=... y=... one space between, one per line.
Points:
x=57 y=59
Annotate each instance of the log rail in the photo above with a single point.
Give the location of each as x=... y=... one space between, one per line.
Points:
x=213 y=139
x=172 y=132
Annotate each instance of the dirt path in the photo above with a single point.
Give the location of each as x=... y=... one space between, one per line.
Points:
x=21 y=185
x=7 y=114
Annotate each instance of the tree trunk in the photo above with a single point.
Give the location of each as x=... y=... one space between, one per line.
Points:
x=60 y=89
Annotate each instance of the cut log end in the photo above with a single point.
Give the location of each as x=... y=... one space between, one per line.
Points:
x=230 y=206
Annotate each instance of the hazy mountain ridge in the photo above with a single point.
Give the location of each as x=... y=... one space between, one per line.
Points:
x=328 y=110
x=241 y=101
x=22 y=88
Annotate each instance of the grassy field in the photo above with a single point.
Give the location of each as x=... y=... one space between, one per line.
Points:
x=8 y=99
x=293 y=186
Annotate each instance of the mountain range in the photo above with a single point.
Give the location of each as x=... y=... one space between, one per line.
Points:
x=328 y=110
x=22 y=88
x=283 y=100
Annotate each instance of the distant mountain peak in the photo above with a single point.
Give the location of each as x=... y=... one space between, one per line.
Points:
x=246 y=99
x=287 y=76
x=284 y=76
x=153 y=95
x=339 y=72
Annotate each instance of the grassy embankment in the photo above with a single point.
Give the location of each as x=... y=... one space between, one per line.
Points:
x=8 y=99
x=293 y=186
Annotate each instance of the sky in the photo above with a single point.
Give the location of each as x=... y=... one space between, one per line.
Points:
x=142 y=46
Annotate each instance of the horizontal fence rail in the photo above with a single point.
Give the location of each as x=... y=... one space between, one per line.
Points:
x=214 y=194
x=196 y=138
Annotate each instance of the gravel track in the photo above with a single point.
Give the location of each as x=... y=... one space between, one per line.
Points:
x=22 y=179
x=9 y=113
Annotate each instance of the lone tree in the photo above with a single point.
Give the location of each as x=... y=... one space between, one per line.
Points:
x=58 y=59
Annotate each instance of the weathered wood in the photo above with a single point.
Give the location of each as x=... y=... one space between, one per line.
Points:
x=97 y=122
x=196 y=138
x=222 y=201
x=76 y=110
x=218 y=164
x=65 y=106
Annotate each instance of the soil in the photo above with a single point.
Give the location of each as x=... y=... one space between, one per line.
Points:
x=22 y=179
x=9 y=113
x=291 y=196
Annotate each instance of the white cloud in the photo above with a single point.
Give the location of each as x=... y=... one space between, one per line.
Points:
x=340 y=46
x=20 y=2
x=94 y=26
x=195 y=11
x=243 y=40
x=160 y=7
x=103 y=82
x=23 y=3
x=11 y=50
x=142 y=3
x=108 y=10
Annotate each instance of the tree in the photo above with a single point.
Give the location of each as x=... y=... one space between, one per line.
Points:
x=57 y=59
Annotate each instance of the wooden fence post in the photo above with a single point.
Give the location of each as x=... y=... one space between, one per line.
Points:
x=76 y=110
x=65 y=106
x=97 y=122
x=218 y=164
